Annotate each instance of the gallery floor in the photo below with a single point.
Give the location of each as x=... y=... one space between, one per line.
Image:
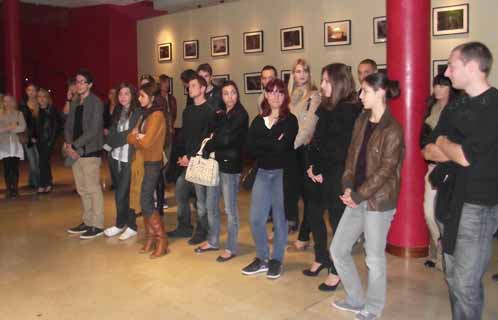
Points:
x=47 y=274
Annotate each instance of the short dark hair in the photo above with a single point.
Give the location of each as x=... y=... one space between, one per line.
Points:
x=85 y=74
x=206 y=68
x=71 y=81
x=147 y=77
x=201 y=81
x=370 y=62
x=164 y=78
x=478 y=52
x=270 y=67
x=188 y=75
x=381 y=81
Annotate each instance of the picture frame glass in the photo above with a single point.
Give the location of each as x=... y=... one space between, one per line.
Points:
x=253 y=42
x=219 y=46
x=252 y=83
x=292 y=38
x=191 y=49
x=380 y=29
x=337 y=33
x=164 y=52
x=450 y=20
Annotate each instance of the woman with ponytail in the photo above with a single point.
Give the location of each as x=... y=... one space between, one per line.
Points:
x=371 y=184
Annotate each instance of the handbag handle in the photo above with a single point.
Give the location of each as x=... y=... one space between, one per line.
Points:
x=203 y=144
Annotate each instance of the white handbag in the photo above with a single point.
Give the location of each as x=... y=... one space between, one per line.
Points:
x=202 y=171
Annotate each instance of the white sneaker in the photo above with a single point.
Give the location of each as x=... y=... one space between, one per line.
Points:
x=129 y=233
x=113 y=231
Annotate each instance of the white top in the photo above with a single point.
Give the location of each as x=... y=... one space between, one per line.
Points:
x=9 y=141
x=121 y=153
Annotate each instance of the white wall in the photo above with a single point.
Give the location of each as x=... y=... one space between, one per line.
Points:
x=270 y=16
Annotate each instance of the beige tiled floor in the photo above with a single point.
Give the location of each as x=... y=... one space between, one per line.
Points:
x=47 y=274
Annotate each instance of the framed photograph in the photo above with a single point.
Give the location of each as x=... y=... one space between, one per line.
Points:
x=380 y=29
x=164 y=52
x=191 y=49
x=337 y=33
x=218 y=79
x=285 y=75
x=219 y=46
x=439 y=67
x=252 y=83
x=253 y=42
x=291 y=38
x=450 y=20
x=382 y=68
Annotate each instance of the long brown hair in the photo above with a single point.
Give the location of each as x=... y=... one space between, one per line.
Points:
x=343 y=86
x=279 y=85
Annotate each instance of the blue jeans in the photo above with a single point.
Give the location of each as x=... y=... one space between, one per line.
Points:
x=183 y=192
x=374 y=225
x=466 y=267
x=229 y=188
x=34 y=165
x=208 y=199
x=268 y=193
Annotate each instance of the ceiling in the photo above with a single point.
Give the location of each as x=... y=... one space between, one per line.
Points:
x=167 y=5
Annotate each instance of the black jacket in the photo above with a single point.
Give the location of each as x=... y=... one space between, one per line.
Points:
x=117 y=139
x=229 y=139
x=46 y=126
x=30 y=125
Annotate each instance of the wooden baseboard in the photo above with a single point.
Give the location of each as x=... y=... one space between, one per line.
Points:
x=407 y=252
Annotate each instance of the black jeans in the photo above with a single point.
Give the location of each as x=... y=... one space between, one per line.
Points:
x=44 y=152
x=324 y=197
x=152 y=170
x=122 y=173
x=294 y=176
x=161 y=186
x=11 y=172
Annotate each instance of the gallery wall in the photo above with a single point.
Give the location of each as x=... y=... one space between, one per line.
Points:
x=233 y=19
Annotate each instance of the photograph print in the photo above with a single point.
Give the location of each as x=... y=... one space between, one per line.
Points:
x=450 y=20
x=252 y=82
x=337 y=33
x=439 y=67
x=291 y=39
x=219 y=46
x=191 y=49
x=382 y=68
x=253 y=42
x=380 y=29
x=164 y=52
x=285 y=75
x=218 y=79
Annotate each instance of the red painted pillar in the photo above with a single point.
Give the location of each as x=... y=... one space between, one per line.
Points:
x=12 y=39
x=408 y=60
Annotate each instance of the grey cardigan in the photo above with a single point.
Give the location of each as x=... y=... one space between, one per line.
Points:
x=92 y=138
x=117 y=139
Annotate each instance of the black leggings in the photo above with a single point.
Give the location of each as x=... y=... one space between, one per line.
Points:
x=45 y=169
x=11 y=172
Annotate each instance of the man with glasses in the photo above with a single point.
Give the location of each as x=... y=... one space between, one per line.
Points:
x=83 y=135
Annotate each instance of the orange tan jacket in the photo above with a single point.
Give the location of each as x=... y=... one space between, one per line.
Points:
x=152 y=144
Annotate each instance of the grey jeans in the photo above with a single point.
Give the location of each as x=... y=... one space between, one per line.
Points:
x=375 y=226
x=466 y=267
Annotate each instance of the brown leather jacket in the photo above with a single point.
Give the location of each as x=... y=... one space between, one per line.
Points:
x=385 y=153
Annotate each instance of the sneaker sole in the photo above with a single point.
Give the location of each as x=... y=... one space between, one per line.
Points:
x=91 y=237
x=114 y=234
x=250 y=273
x=127 y=237
x=76 y=232
x=274 y=277
x=345 y=309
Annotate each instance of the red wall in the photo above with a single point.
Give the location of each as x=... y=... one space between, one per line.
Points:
x=56 y=42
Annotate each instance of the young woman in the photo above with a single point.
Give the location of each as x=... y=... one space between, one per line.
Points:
x=149 y=139
x=270 y=140
x=11 y=151
x=125 y=118
x=326 y=159
x=304 y=101
x=45 y=134
x=227 y=143
x=371 y=183
x=442 y=94
x=30 y=108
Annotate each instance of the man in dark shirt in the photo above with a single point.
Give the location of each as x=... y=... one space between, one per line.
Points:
x=213 y=92
x=83 y=135
x=466 y=136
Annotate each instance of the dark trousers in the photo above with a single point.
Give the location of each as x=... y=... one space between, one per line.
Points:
x=161 y=186
x=122 y=173
x=323 y=197
x=11 y=173
x=44 y=152
x=184 y=191
x=152 y=170
x=294 y=175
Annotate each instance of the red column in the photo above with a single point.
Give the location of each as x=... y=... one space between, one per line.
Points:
x=12 y=21
x=408 y=60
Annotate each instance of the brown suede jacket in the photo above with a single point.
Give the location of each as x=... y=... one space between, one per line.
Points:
x=385 y=153
x=152 y=143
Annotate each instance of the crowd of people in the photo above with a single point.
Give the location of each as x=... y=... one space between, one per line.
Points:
x=338 y=149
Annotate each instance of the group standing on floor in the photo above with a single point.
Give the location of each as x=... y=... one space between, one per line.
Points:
x=336 y=148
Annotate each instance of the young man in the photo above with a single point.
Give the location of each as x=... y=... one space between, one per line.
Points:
x=268 y=73
x=213 y=93
x=466 y=142
x=197 y=120
x=365 y=68
x=83 y=135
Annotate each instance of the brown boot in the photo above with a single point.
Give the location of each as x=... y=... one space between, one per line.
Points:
x=159 y=235
x=149 y=237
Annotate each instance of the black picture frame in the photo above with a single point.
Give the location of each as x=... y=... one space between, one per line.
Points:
x=292 y=38
x=164 y=52
x=285 y=75
x=439 y=66
x=218 y=79
x=218 y=48
x=253 y=42
x=450 y=20
x=334 y=35
x=252 y=83
x=380 y=29
x=191 y=50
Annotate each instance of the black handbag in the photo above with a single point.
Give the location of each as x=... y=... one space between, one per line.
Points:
x=248 y=179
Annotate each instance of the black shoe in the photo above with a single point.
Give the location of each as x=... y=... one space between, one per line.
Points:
x=315 y=273
x=326 y=287
x=429 y=264
x=274 y=269
x=197 y=239
x=81 y=228
x=495 y=277
x=223 y=259
x=181 y=233
x=91 y=233
x=202 y=250
x=257 y=266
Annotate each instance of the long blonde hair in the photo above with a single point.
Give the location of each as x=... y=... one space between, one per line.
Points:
x=3 y=104
x=309 y=87
x=47 y=94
